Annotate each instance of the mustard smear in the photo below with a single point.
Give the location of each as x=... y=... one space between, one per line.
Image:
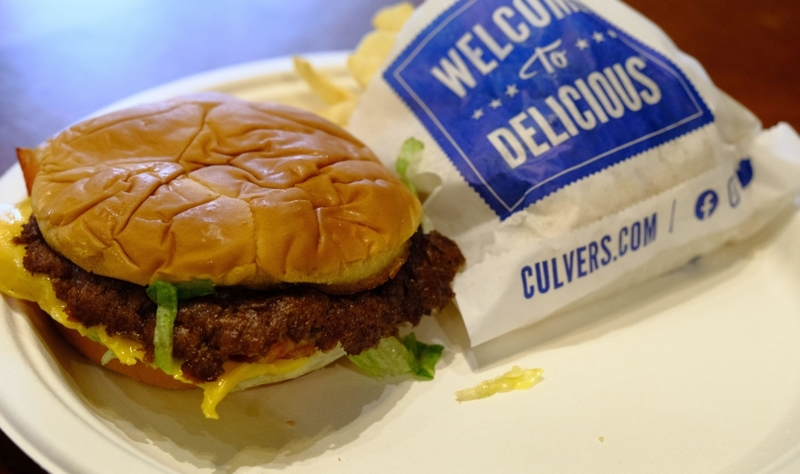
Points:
x=515 y=379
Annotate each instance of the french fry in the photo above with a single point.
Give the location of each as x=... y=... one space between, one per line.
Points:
x=392 y=18
x=362 y=64
x=321 y=85
x=339 y=113
x=375 y=46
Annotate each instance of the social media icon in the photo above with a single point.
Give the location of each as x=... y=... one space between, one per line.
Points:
x=734 y=192
x=706 y=204
x=745 y=172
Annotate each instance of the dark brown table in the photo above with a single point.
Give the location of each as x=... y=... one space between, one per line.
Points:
x=60 y=61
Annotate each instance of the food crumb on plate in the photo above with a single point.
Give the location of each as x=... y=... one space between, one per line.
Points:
x=515 y=379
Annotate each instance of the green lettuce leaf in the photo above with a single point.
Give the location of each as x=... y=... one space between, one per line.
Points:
x=108 y=357
x=395 y=357
x=410 y=153
x=194 y=288
x=423 y=356
x=166 y=295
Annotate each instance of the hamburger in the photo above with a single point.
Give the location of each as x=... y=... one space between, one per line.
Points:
x=214 y=242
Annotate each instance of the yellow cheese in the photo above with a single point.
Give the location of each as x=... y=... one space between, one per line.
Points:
x=236 y=372
x=515 y=379
x=17 y=282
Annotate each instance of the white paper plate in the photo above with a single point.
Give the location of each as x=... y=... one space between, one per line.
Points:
x=698 y=371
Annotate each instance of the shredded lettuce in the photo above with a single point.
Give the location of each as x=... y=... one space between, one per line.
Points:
x=395 y=357
x=194 y=288
x=108 y=357
x=423 y=357
x=410 y=153
x=92 y=335
x=389 y=358
x=166 y=295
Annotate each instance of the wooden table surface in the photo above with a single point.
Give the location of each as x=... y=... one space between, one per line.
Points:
x=60 y=61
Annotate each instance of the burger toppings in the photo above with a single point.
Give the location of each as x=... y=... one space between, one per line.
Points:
x=166 y=295
x=395 y=357
x=410 y=153
x=238 y=324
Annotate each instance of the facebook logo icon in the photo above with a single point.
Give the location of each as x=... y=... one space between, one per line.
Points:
x=706 y=204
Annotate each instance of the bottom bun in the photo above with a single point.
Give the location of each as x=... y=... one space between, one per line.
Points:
x=152 y=376
x=139 y=371
x=316 y=361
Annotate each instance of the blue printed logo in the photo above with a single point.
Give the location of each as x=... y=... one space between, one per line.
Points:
x=706 y=204
x=528 y=96
x=745 y=172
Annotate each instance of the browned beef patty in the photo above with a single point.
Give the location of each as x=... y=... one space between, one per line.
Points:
x=242 y=324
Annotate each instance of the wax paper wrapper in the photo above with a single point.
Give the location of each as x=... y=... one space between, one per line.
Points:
x=571 y=150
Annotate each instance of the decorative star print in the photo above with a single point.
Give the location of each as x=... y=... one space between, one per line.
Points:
x=597 y=36
x=477 y=114
x=582 y=44
x=495 y=103
x=512 y=90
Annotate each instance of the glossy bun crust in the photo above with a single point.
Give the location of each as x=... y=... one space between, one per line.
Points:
x=209 y=186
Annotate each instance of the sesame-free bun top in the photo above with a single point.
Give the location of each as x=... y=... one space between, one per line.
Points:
x=213 y=187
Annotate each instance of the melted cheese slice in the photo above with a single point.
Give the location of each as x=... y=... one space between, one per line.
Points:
x=237 y=373
x=17 y=282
